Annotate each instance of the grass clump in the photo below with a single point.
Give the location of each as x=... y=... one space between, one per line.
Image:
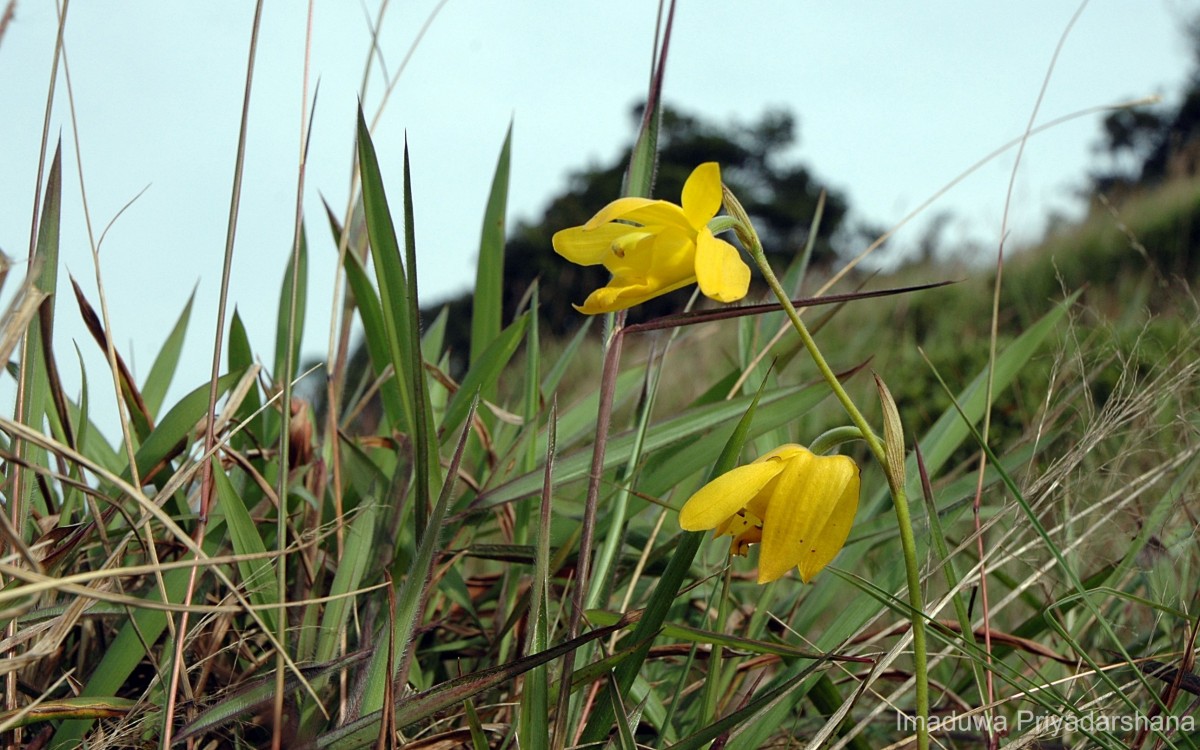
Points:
x=491 y=557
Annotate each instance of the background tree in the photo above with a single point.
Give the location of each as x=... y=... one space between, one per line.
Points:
x=1151 y=145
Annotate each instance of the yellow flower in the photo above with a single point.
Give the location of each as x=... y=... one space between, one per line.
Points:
x=652 y=247
x=800 y=506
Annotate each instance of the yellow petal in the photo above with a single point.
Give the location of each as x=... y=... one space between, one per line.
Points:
x=702 y=194
x=719 y=269
x=617 y=210
x=672 y=258
x=808 y=516
x=644 y=211
x=785 y=452
x=625 y=292
x=589 y=247
x=716 y=501
x=833 y=536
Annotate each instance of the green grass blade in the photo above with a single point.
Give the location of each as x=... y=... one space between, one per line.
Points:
x=255 y=695
x=687 y=432
x=390 y=274
x=375 y=335
x=428 y=466
x=240 y=357
x=433 y=341
x=350 y=571
x=365 y=731
x=258 y=575
x=484 y=372
x=170 y=436
x=125 y=652
x=410 y=599
x=534 y=718
x=34 y=378
x=488 y=306
x=950 y=431
x=158 y=380
x=556 y=372
x=283 y=321
x=67 y=708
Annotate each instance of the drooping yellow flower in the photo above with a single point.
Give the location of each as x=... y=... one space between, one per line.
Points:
x=652 y=247
x=800 y=506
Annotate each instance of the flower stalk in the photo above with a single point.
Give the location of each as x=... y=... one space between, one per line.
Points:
x=749 y=239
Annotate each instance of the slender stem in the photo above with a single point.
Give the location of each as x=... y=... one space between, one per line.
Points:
x=608 y=387
x=899 y=497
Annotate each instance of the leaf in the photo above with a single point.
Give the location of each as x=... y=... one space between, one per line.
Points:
x=375 y=335
x=350 y=570
x=390 y=274
x=686 y=431
x=487 y=308
x=33 y=375
x=410 y=599
x=154 y=390
x=297 y=276
x=484 y=372
x=258 y=575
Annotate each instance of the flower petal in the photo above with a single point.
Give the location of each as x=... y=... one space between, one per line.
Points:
x=643 y=211
x=834 y=534
x=716 y=501
x=625 y=292
x=702 y=197
x=808 y=516
x=722 y=274
x=589 y=247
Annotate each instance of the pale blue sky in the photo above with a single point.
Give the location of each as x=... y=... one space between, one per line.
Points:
x=893 y=99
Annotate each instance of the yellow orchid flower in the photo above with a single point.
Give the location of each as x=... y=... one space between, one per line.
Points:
x=799 y=505
x=652 y=247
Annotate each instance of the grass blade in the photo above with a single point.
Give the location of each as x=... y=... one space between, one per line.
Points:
x=488 y=305
x=158 y=380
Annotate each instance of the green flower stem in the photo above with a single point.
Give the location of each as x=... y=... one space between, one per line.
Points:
x=899 y=498
x=831 y=439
